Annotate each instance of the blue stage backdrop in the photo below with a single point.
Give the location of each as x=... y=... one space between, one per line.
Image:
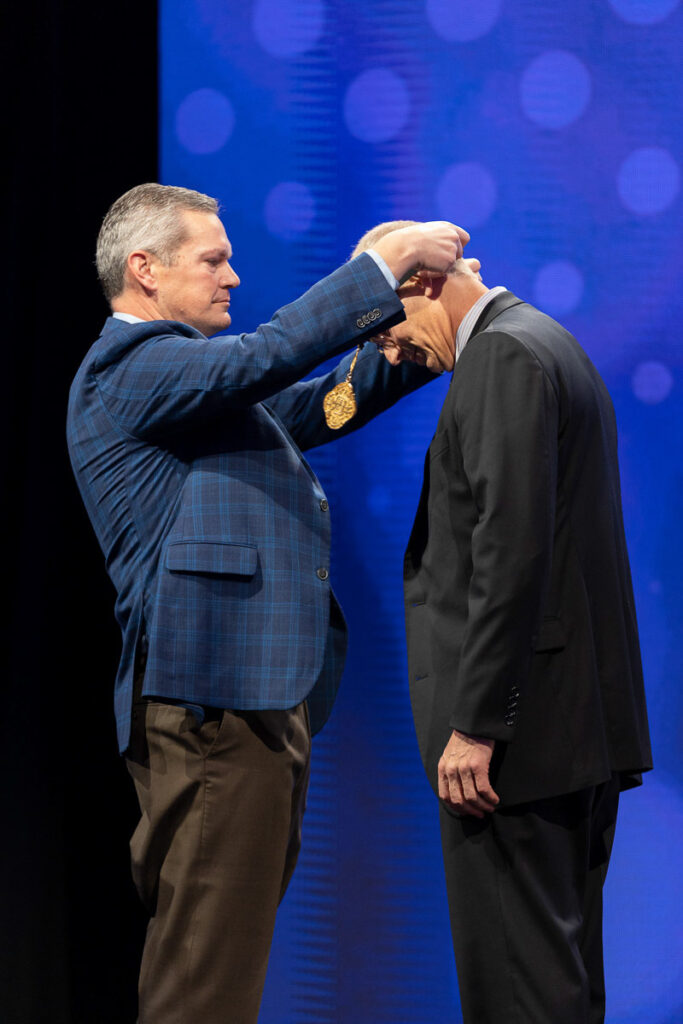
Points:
x=552 y=130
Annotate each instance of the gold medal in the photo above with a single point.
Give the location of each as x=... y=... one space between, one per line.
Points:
x=339 y=404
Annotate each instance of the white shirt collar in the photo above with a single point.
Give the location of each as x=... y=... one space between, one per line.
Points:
x=470 y=318
x=128 y=317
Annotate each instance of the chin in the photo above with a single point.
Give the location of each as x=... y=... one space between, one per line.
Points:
x=218 y=327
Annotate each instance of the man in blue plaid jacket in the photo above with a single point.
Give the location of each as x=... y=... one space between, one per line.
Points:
x=216 y=533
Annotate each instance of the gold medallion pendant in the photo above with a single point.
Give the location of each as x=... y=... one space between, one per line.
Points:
x=339 y=404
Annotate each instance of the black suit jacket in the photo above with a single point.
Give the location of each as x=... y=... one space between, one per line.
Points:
x=519 y=606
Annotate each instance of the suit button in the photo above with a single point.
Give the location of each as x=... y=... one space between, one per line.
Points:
x=322 y=573
x=324 y=505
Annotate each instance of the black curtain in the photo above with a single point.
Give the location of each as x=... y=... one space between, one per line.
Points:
x=80 y=98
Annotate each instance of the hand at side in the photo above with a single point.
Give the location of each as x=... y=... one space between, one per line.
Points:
x=464 y=774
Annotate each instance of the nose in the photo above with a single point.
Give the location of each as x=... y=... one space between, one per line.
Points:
x=230 y=278
x=393 y=355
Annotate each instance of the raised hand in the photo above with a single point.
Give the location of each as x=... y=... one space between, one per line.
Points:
x=433 y=246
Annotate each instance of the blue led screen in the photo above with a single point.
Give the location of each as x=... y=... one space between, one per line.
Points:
x=553 y=131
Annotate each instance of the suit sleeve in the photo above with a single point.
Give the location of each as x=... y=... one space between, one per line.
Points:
x=376 y=384
x=168 y=381
x=507 y=421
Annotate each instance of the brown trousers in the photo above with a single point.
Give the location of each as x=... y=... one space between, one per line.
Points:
x=220 y=830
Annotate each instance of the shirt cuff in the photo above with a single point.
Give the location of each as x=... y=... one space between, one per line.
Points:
x=382 y=264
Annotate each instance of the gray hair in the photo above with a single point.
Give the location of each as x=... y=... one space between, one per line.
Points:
x=146 y=217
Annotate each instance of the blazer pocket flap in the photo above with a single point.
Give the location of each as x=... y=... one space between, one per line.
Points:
x=551 y=636
x=222 y=559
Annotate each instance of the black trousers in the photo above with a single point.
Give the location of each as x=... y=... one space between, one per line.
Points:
x=525 y=899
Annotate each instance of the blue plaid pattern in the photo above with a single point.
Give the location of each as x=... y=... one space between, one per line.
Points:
x=215 y=531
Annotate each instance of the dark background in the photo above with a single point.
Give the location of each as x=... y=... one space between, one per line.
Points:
x=81 y=94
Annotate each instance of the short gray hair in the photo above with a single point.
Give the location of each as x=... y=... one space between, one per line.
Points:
x=146 y=217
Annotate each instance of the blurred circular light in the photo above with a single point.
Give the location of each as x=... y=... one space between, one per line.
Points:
x=376 y=105
x=643 y=12
x=466 y=194
x=558 y=287
x=652 y=382
x=289 y=210
x=287 y=28
x=461 y=20
x=648 y=180
x=555 y=89
x=204 y=121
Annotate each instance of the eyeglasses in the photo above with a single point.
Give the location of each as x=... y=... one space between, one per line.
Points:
x=383 y=342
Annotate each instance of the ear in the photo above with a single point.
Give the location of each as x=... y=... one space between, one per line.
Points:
x=141 y=266
x=432 y=284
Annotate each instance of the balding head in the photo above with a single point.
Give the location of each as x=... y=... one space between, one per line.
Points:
x=434 y=304
x=371 y=237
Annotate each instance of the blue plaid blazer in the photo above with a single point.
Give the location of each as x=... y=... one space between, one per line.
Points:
x=215 y=531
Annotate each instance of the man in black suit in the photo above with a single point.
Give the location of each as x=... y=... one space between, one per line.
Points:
x=525 y=672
